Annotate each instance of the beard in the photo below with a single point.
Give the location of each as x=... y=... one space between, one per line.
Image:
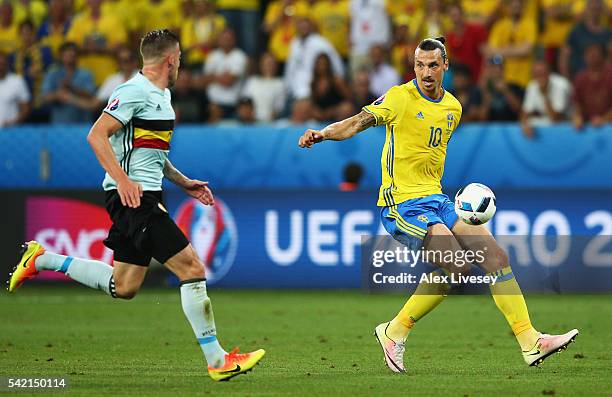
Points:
x=172 y=78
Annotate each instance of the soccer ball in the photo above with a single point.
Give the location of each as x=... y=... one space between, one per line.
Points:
x=475 y=204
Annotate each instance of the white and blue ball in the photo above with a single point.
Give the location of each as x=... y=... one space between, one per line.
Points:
x=475 y=204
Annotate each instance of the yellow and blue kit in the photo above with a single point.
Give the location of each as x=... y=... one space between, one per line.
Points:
x=412 y=161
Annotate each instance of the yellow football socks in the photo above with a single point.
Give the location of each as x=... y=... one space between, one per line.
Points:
x=426 y=297
x=509 y=300
x=506 y=294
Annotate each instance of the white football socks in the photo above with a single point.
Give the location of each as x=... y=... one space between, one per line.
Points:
x=194 y=300
x=198 y=310
x=94 y=274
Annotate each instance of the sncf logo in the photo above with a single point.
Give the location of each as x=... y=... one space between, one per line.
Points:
x=69 y=227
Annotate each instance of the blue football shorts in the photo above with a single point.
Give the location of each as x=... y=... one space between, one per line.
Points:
x=407 y=222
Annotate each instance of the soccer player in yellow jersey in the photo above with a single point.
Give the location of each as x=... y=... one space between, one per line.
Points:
x=420 y=117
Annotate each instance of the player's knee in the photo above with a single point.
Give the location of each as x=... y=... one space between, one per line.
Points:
x=458 y=264
x=193 y=269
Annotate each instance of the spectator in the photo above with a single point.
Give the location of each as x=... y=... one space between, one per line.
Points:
x=402 y=52
x=128 y=67
x=9 y=30
x=370 y=25
x=514 y=38
x=352 y=174
x=333 y=18
x=266 y=90
x=31 y=60
x=501 y=101
x=482 y=12
x=558 y=20
x=158 y=14
x=68 y=89
x=305 y=48
x=361 y=93
x=382 y=75
x=32 y=10
x=547 y=98
x=329 y=93
x=242 y=15
x=591 y=30
x=432 y=22
x=200 y=32
x=467 y=93
x=98 y=36
x=280 y=26
x=593 y=89
x=128 y=13
x=465 y=40
x=14 y=96
x=404 y=8
x=190 y=103
x=245 y=111
x=52 y=33
x=224 y=71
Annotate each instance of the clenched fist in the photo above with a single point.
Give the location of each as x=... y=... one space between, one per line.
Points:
x=310 y=137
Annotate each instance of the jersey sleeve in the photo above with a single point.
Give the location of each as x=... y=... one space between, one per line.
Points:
x=386 y=107
x=125 y=102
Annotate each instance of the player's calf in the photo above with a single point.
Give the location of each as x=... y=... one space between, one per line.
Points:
x=127 y=279
x=495 y=259
x=125 y=290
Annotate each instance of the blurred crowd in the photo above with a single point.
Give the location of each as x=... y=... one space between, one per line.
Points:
x=537 y=62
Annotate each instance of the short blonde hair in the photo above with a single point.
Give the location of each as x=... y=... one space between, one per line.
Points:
x=155 y=43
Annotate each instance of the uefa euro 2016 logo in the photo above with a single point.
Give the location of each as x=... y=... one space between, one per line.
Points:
x=212 y=232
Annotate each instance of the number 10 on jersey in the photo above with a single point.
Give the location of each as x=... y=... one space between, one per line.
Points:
x=435 y=136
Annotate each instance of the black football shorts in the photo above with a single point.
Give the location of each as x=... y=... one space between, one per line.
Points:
x=139 y=234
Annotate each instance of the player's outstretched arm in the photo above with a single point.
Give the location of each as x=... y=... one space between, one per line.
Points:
x=196 y=189
x=339 y=131
x=130 y=192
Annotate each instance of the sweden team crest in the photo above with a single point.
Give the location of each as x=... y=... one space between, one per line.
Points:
x=423 y=218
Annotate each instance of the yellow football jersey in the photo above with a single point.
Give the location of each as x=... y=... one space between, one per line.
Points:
x=333 y=19
x=107 y=30
x=418 y=131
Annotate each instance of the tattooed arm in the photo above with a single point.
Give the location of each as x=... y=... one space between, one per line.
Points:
x=339 y=131
x=173 y=175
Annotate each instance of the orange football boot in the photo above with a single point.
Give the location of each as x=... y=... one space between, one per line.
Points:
x=236 y=364
x=25 y=270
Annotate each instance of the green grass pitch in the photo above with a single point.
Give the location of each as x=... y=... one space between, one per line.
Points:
x=319 y=343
